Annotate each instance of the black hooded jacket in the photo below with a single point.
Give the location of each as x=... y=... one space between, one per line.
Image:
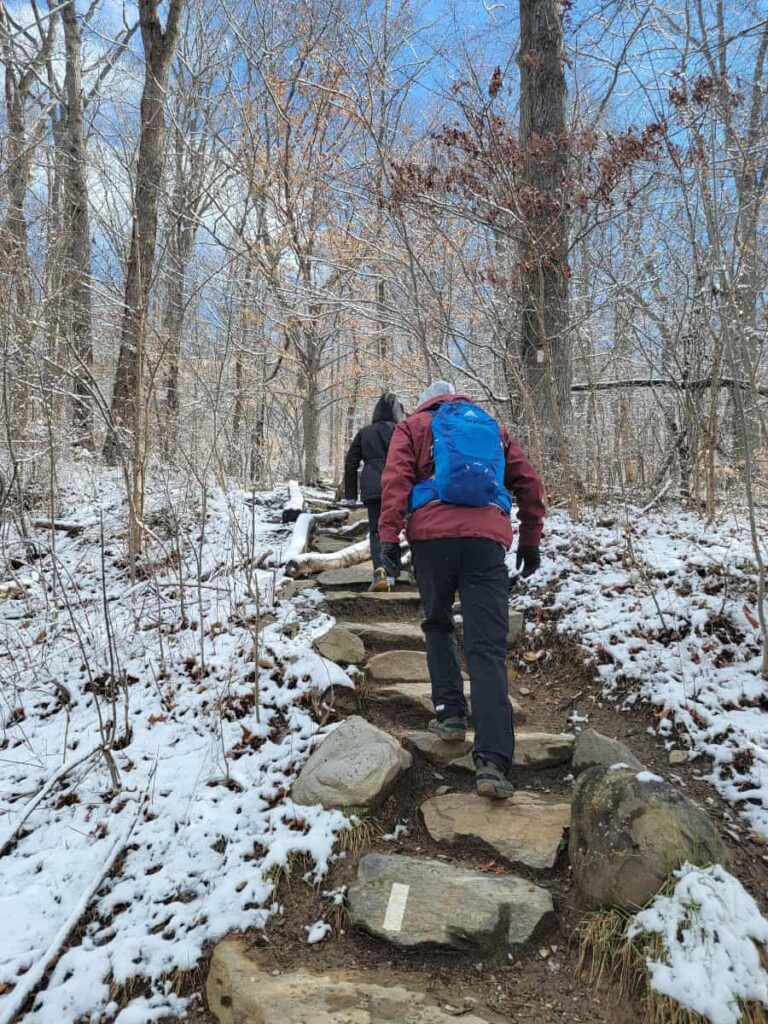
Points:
x=370 y=447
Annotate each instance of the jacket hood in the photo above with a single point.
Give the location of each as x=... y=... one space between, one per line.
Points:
x=432 y=403
x=388 y=409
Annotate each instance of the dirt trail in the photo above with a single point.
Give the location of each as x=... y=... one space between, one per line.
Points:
x=539 y=984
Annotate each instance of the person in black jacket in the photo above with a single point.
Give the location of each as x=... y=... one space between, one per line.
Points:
x=370 y=447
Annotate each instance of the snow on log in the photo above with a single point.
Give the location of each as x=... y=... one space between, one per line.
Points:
x=65 y=525
x=336 y=515
x=306 y=565
x=302 y=533
x=351 y=530
x=295 y=504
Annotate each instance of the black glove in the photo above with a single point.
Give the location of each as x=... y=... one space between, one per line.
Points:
x=529 y=557
x=390 y=557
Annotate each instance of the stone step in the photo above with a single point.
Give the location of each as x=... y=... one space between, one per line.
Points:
x=351 y=578
x=415 y=904
x=533 y=750
x=397 y=667
x=325 y=544
x=413 y=697
x=528 y=829
x=354 y=767
x=395 y=604
x=243 y=986
x=378 y=636
x=435 y=750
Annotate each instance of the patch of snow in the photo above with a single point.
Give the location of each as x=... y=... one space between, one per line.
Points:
x=648 y=777
x=317 y=932
x=664 y=604
x=710 y=927
x=207 y=720
x=400 y=831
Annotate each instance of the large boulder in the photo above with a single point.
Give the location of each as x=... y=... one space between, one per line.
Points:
x=418 y=904
x=629 y=831
x=243 y=988
x=340 y=645
x=528 y=829
x=592 y=748
x=354 y=767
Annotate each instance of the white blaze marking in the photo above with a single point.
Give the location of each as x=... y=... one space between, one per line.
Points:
x=398 y=897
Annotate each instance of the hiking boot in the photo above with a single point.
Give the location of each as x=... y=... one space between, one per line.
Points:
x=491 y=781
x=381 y=582
x=452 y=729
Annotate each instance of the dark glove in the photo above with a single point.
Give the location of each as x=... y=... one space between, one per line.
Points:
x=529 y=557
x=390 y=557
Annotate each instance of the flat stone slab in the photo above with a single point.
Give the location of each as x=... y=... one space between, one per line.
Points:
x=592 y=748
x=354 y=767
x=435 y=750
x=418 y=697
x=242 y=988
x=353 y=576
x=377 y=635
x=415 y=903
x=398 y=667
x=533 y=750
x=527 y=829
x=326 y=545
x=360 y=605
x=340 y=645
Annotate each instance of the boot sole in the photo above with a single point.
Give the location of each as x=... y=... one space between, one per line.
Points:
x=454 y=737
x=488 y=789
x=379 y=588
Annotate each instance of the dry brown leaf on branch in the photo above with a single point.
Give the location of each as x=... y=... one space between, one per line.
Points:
x=749 y=615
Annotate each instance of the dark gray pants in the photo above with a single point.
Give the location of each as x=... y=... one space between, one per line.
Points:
x=475 y=567
x=374 y=511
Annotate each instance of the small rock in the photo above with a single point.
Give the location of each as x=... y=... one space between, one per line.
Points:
x=527 y=829
x=354 y=767
x=442 y=790
x=592 y=748
x=678 y=757
x=629 y=831
x=433 y=749
x=339 y=645
x=525 y=690
x=290 y=629
x=415 y=904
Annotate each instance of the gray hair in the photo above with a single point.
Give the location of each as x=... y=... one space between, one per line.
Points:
x=438 y=387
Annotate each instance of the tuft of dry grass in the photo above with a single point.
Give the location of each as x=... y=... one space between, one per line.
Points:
x=613 y=960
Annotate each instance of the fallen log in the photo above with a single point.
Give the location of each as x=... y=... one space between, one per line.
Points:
x=306 y=565
x=64 y=525
x=351 y=531
x=295 y=504
x=303 y=529
x=336 y=515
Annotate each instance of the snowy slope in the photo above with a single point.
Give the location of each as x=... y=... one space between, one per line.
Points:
x=665 y=604
x=206 y=735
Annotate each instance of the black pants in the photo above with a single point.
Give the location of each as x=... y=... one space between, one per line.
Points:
x=374 y=511
x=475 y=567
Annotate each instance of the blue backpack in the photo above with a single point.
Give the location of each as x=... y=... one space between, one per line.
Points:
x=469 y=460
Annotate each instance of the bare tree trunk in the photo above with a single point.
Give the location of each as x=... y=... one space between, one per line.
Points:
x=543 y=259
x=159 y=47
x=78 y=275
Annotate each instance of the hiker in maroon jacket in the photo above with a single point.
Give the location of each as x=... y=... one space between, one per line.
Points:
x=457 y=547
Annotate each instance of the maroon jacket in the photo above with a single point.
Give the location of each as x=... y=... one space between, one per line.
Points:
x=410 y=460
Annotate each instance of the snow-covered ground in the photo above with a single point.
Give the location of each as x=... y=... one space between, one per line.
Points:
x=205 y=728
x=165 y=687
x=666 y=606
